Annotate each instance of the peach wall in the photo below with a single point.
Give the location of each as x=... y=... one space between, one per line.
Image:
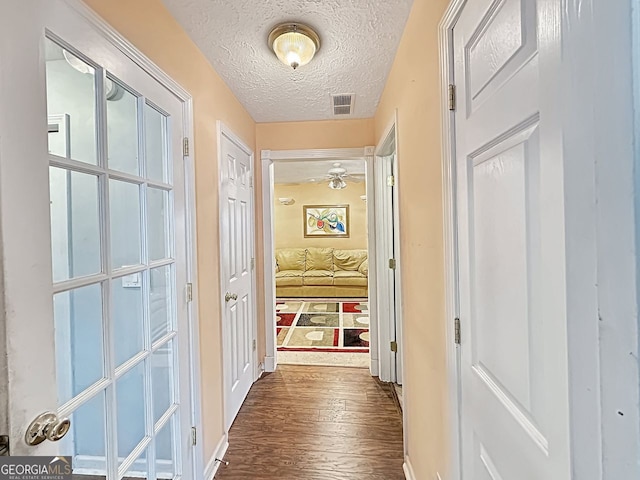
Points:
x=413 y=87
x=320 y=134
x=289 y=221
x=355 y=133
x=151 y=28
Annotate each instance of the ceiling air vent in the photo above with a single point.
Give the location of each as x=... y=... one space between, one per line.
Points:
x=343 y=103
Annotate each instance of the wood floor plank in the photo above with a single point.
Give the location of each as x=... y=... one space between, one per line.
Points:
x=316 y=423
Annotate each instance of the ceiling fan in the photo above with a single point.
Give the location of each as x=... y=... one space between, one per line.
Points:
x=337 y=175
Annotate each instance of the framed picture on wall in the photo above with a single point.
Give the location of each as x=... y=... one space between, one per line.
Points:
x=326 y=220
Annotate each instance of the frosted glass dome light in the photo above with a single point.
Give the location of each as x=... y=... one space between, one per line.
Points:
x=294 y=44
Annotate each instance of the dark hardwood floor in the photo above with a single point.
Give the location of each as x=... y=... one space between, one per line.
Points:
x=316 y=423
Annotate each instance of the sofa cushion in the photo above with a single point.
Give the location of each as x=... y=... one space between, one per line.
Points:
x=319 y=259
x=348 y=260
x=289 y=278
x=291 y=258
x=346 y=278
x=364 y=268
x=318 y=277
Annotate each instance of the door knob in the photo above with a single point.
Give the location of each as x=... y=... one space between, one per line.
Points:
x=230 y=296
x=46 y=426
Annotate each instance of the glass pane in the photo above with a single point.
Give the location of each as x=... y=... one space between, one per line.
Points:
x=138 y=469
x=158 y=223
x=155 y=144
x=162 y=361
x=165 y=451
x=75 y=224
x=70 y=92
x=160 y=305
x=122 y=128
x=130 y=410
x=79 y=347
x=127 y=316
x=124 y=203
x=87 y=439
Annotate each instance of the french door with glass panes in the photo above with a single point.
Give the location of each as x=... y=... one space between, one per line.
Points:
x=98 y=328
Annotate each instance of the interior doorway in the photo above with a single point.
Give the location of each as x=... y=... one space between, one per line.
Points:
x=353 y=266
x=320 y=229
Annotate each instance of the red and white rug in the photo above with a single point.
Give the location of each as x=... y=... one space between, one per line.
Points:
x=322 y=326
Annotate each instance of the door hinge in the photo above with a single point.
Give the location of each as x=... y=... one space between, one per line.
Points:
x=394 y=346
x=253 y=263
x=194 y=436
x=391 y=181
x=457 y=331
x=392 y=263
x=254 y=344
x=185 y=146
x=4 y=446
x=189 y=292
x=452 y=97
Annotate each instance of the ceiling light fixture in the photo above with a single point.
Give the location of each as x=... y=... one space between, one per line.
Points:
x=294 y=44
x=112 y=90
x=337 y=183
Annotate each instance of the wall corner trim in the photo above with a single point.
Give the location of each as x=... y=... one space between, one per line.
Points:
x=220 y=451
x=408 y=469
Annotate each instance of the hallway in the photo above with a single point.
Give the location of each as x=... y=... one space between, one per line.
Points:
x=316 y=423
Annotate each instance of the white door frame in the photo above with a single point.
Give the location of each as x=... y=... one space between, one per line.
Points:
x=594 y=125
x=388 y=145
x=268 y=157
x=224 y=131
x=115 y=39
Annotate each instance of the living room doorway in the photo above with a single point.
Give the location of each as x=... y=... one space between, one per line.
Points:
x=321 y=263
x=316 y=213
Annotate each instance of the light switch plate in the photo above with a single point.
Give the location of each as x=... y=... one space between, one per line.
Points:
x=132 y=281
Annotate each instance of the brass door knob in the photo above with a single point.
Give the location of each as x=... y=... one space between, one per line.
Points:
x=46 y=426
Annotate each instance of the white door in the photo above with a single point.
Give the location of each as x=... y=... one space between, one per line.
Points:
x=96 y=254
x=236 y=238
x=394 y=279
x=390 y=331
x=514 y=399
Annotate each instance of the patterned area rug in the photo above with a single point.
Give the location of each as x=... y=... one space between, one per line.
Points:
x=320 y=326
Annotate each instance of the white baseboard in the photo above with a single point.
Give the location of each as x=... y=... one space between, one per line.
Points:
x=408 y=469
x=212 y=466
x=375 y=367
x=270 y=364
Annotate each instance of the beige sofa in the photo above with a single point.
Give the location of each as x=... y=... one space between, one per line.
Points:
x=321 y=272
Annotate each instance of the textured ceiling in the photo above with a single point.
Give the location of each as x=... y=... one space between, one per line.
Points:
x=315 y=171
x=358 y=39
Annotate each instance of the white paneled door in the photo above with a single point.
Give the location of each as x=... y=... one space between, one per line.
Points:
x=99 y=255
x=514 y=399
x=236 y=242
